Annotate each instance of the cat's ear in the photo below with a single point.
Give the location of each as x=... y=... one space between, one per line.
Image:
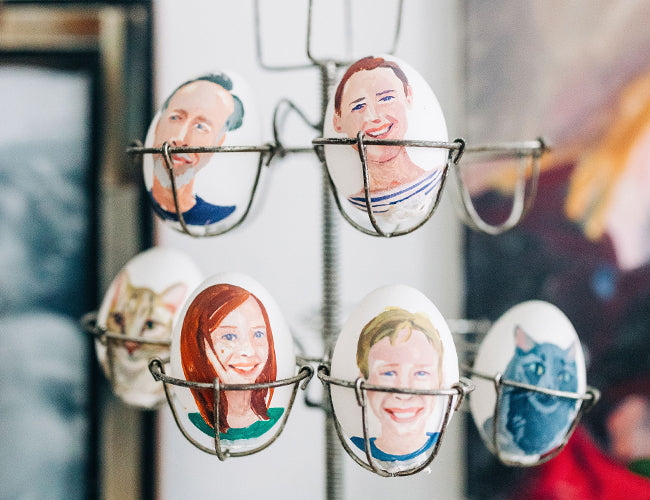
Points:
x=571 y=350
x=522 y=340
x=120 y=287
x=174 y=296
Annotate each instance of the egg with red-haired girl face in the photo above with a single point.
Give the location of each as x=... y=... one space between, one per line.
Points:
x=232 y=331
x=534 y=345
x=210 y=189
x=394 y=340
x=383 y=98
x=138 y=314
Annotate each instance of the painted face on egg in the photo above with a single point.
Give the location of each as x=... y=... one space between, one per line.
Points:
x=240 y=344
x=410 y=362
x=201 y=113
x=535 y=344
x=195 y=115
x=375 y=102
x=402 y=350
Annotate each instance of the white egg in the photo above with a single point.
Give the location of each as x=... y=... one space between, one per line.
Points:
x=395 y=337
x=213 y=189
x=142 y=303
x=532 y=343
x=232 y=330
x=385 y=98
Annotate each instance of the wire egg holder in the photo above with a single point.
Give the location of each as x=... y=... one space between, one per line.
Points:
x=112 y=341
x=523 y=152
x=156 y=367
x=453 y=396
x=470 y=334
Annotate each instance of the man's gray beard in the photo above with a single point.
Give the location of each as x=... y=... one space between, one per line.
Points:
x=161 y=173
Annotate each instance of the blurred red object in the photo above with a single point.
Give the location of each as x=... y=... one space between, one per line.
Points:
x=582 y=471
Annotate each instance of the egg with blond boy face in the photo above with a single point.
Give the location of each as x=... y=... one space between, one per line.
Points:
x=394 y=341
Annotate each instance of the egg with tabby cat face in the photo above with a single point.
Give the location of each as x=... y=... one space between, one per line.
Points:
x=138 y=314
x=533 y=344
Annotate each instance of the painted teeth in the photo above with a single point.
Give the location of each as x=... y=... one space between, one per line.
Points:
x=379 y=132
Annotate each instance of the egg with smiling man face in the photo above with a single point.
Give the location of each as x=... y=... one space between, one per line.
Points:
x=385 y=99
x=212 y=189
x=395 y=338
x=231 y=330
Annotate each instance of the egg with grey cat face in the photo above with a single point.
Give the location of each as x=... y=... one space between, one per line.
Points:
x=233 y=332
x=137 y=315
x=536 y=350
x=209 y=189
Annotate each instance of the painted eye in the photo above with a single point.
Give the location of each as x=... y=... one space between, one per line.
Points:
x=564 y=377
x=229 y=336
x=359 y=107
x=259 y=334
x=387 y=98
x=422 y=373
x=390 y=373
x=118 y=318
x=203 y=127
x=149 y=324
x=536 y=369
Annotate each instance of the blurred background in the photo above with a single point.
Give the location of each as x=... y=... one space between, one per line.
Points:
x=81 y=81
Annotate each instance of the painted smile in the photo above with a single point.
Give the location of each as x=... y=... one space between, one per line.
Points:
x=379 y=132
x=244 y=369
x=404 y=415
x=182 y=159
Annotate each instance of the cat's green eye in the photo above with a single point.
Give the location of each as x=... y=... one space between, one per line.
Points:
x=149 y=324
x=118 y=318
x=536 y=369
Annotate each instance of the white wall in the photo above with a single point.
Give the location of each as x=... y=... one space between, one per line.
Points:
x=280 y=245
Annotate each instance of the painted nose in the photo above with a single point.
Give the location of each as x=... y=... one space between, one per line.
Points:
x=372 y=113
x=131 y=346
x=182 y=136
x=245 y=347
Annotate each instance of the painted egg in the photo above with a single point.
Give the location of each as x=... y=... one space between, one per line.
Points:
x=386 y=99
x=142 y=304
x=232 y=330
x=395 y=338
x=213 y=188
x=533 y=343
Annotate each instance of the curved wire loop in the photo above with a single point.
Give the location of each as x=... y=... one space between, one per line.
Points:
x=455 y=152
x=279 y=149
x=111 y=341
x=522 y=202
x=586 y=401
x=167 y=151
x=313 y=61
x=454 y=397
x=156 y=367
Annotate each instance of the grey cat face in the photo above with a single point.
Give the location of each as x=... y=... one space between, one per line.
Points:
x=533 y=421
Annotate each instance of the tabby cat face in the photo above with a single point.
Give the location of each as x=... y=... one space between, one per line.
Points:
x=141 y=313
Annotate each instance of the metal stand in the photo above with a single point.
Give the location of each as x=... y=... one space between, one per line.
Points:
x=329 y=261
